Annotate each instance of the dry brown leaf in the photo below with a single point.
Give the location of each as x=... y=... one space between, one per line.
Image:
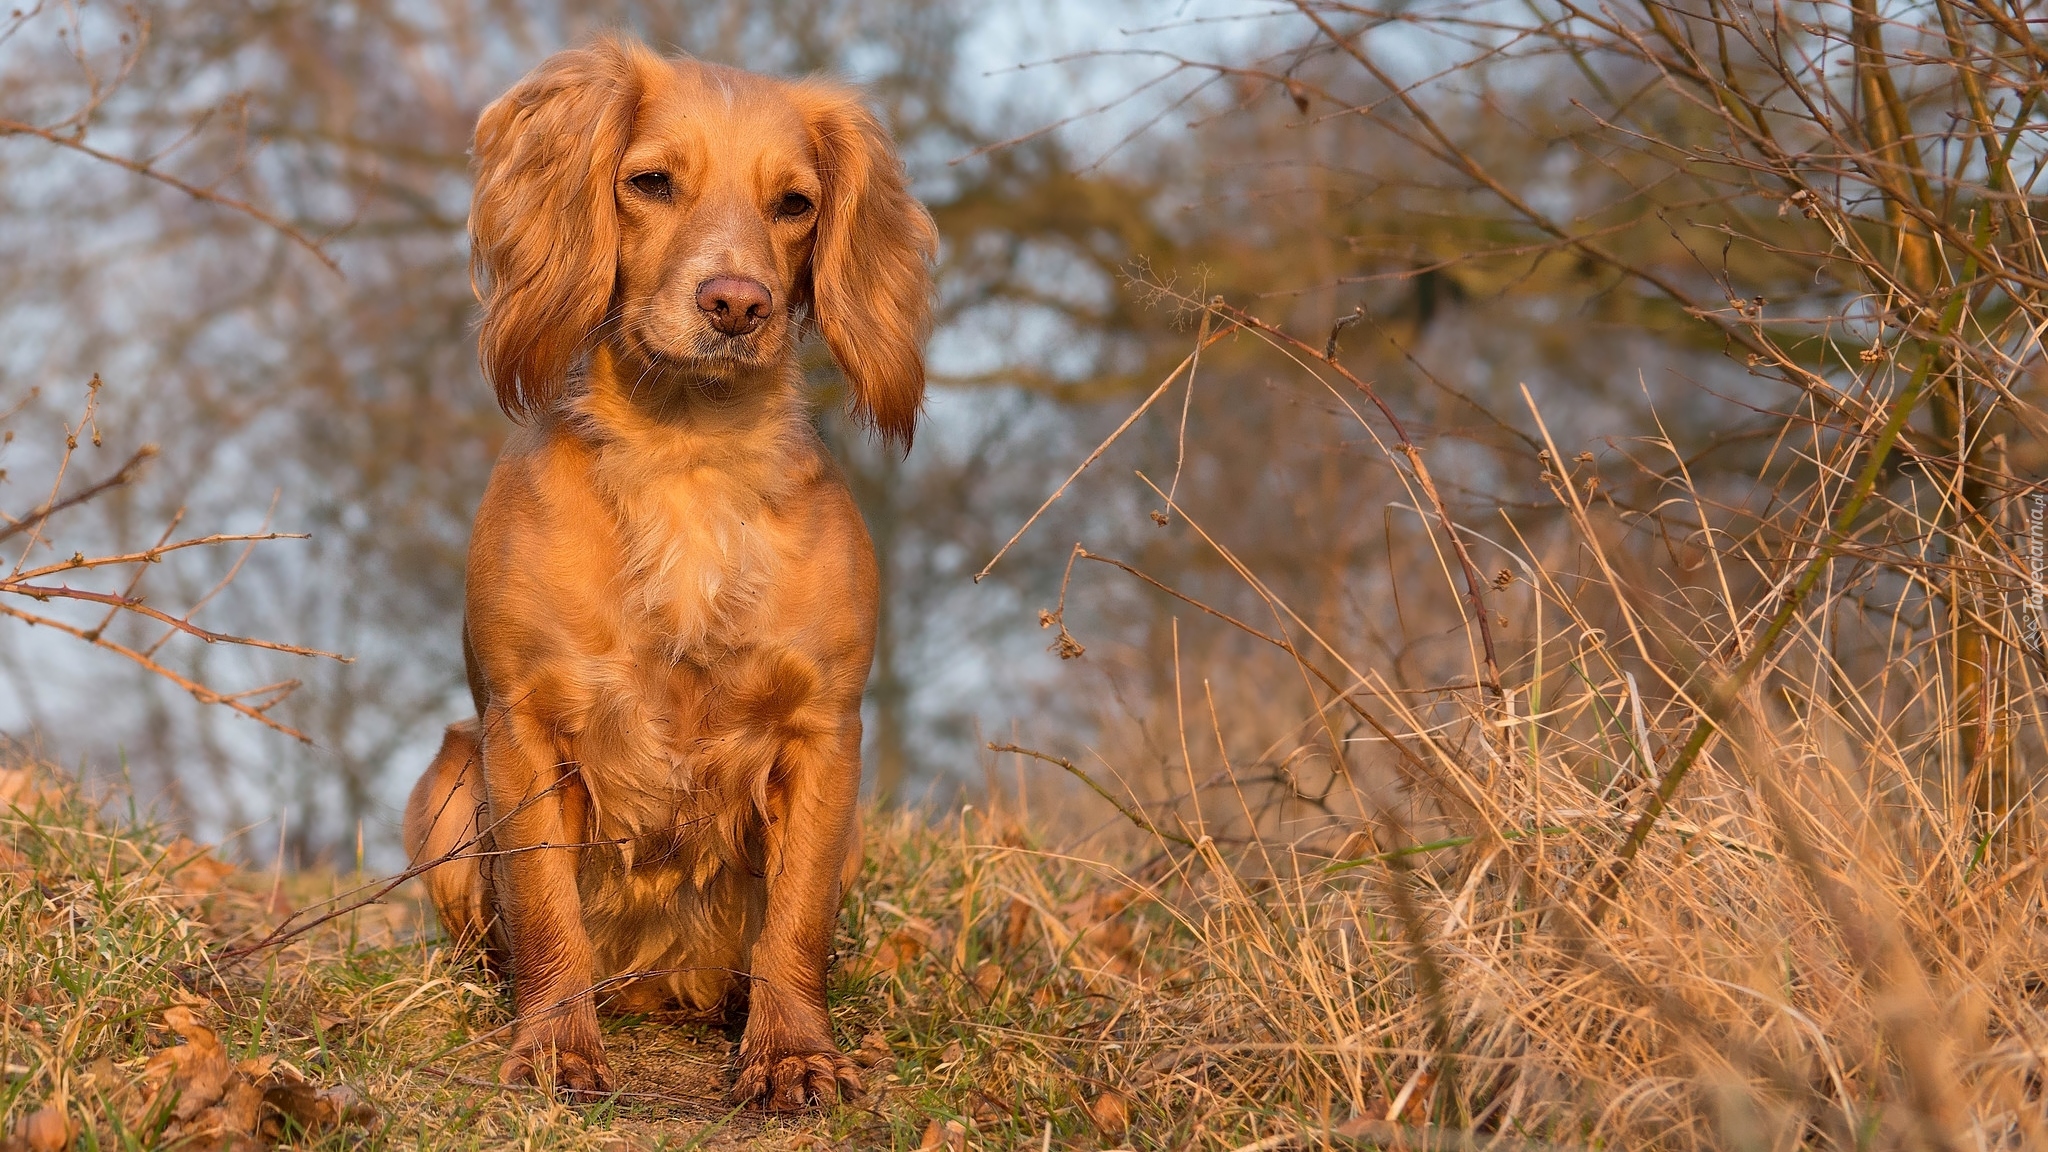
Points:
x=241 y=1106
x=120 y=1094
x=952 y=1053
x=1110 y=1113
x=28 y=788
x=948 y=1135
x=230 y=1123
x=1110 y=936
x=312 y=1109
x=226 y=1108
x=986 y=1109
x=196 y=1070
x=874 y=1050
x=1096 y=907
x=988 y=978
x=1415 y=1109
x=1017 y=920
x=48 y=1129
x=898 y=949
x=193 y=869
x=332 y=1022
x=1368 y=1127
x=1101 y=936
x=13 y=863
x=101 y=1075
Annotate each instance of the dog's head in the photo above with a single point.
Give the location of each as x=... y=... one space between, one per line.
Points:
x=690 y=215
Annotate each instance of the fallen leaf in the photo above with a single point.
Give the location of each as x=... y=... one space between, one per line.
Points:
x=1101 y=935
x=1414 y=1099
x=898 y=949
x=986 y=1109
x=196 y=1070
x=950 y=1136
x=331 y=1022
x=47 y=1129
x=232 y=1122
x=1017 y=920
x=1369 y=1127
x=122 y=1095
x=952 y=1052
x=874 y=1050
x=193 y=870
x=311 y=1109
x=1110 y=1113
x=29 y=789
x=988 y=978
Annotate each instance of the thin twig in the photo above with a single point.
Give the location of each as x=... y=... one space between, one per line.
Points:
x=150 y=171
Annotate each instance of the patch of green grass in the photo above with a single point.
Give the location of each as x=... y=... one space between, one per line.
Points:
x=944 y=987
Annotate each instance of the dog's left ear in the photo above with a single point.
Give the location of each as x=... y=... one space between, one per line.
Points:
x=869 y=285
x=542 y=225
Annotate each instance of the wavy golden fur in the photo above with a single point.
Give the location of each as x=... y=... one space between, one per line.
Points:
x=671 y=597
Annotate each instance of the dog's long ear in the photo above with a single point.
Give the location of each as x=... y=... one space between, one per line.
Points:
x=869 y=285
x=543 y=228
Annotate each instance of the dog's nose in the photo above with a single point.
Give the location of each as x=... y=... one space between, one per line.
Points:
x=736 y=305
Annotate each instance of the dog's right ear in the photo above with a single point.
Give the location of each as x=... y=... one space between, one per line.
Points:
x=543 y=227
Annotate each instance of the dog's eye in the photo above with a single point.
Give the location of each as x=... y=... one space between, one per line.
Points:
x=792 y=205
x=655 y=184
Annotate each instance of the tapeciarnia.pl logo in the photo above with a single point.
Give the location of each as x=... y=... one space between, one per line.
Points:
x=2037 y=565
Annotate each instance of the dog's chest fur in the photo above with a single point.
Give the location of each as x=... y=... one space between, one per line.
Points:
x=685 y=714
x=679 y=739
x=692 y=511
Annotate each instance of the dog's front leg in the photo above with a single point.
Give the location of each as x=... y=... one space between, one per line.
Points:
x=787 y=1056
x=539 y=813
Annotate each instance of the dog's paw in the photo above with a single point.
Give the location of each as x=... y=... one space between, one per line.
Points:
x=579 y=1077
x=789 y=1082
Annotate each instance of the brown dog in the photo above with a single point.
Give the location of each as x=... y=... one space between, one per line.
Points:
x=671 y=598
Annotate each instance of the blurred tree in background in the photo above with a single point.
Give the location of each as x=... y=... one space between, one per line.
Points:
x=1250 y=160
x=343 y=379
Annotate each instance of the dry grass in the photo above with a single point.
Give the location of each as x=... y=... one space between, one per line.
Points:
x=1728 y=842
x=1798 y=959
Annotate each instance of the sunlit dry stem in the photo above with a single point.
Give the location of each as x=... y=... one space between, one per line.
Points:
x=1157 y=392
x=1721 y=695
x=1475 y=585
x=1129 y=813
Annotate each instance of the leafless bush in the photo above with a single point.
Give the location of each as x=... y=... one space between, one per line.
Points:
x=1742 y=851
x=35 y=532
x=40 y=588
